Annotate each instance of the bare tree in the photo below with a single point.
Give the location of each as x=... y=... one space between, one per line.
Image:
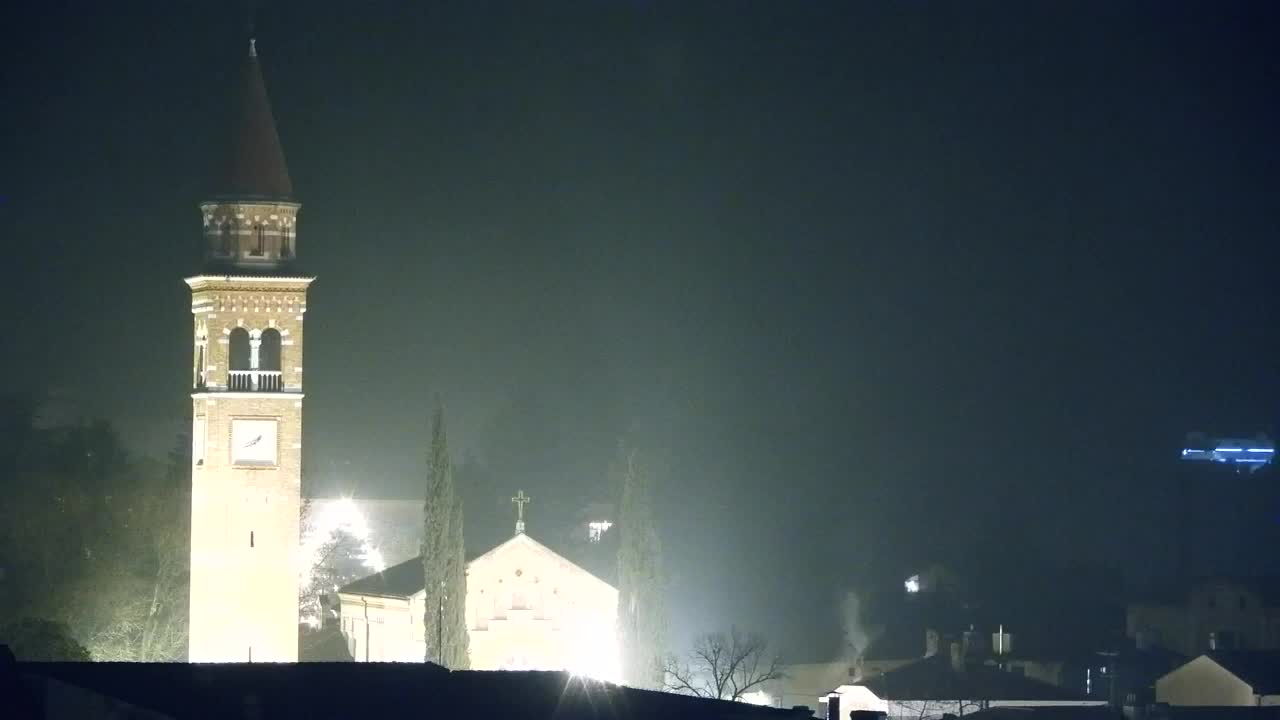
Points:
x=721 y=666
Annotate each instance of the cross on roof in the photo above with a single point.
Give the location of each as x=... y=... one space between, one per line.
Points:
x=520 y=500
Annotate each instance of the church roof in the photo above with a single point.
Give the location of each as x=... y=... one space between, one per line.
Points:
x=254 y=166
x=523 y=539
x=400 y=580
x=407 y=578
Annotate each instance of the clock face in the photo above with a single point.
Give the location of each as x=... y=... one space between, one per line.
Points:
x=253 y=442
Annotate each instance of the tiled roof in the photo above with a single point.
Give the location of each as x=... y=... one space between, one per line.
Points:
x=400 y=580
x=933 y=678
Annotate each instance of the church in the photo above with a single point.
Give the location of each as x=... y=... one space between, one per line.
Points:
x=527 y=608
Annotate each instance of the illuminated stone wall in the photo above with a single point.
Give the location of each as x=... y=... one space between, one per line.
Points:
x=244 y=519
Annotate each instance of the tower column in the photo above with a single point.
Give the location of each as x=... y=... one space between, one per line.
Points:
x=246 y=475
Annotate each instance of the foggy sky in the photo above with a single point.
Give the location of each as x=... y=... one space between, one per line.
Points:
x=867 y=278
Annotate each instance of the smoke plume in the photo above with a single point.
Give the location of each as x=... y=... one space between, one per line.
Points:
x=857 y=636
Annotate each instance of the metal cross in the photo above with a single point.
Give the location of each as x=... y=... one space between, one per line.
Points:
x=520 y=500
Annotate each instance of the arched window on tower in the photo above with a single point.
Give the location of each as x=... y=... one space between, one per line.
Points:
x=270 y=378
x=260 y=240
x=240 y=375
x=224 y=245
x=199 y=380
x=286 y=247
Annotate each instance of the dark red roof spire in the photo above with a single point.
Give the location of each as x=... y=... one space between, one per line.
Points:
x=254 y=165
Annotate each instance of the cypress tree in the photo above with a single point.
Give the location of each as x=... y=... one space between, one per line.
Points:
x=641 y=610
x=444 y=620
x=458 y=649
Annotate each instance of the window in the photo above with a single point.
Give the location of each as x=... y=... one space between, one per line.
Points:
x=260 y=239
x=285 y=250
x=225 y=246
x=269 y=350
x=250 y=538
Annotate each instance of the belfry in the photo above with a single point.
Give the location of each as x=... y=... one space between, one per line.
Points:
x=247 y=397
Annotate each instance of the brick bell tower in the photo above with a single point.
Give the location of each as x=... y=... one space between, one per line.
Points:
x=247 y=399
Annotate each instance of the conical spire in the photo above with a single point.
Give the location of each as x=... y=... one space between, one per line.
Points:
x=254 y=166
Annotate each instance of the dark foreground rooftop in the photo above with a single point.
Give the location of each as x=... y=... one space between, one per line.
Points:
x=337 y=690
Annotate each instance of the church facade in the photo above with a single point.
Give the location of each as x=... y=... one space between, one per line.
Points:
x=247 y=398
x=527 y=608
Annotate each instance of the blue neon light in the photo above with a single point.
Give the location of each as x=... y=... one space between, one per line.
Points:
x=1230 y=451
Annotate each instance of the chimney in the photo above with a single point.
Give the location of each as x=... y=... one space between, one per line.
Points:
x=957 y=657
x=1001 y=642
x=930 y=642
x=971 y=640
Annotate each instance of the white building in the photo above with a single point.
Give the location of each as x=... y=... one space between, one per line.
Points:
x=527 y=608
x=1224 y=679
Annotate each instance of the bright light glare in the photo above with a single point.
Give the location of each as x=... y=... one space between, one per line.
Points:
x=913 y=584
x=758 y=697
x=595 y=652
x=597 y=529
x=342 y=515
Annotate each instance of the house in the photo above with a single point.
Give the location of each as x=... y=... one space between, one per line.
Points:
x=951 y=683
x=1224 y=679
x=1208 y=615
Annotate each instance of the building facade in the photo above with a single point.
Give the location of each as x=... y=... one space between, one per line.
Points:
x=247 y=397
x=1225 y=679
x=527 y=608
x=1215 y=614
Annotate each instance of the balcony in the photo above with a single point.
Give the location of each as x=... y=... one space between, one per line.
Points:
x=255 y=381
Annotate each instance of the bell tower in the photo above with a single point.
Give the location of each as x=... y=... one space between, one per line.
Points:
x=246 y=378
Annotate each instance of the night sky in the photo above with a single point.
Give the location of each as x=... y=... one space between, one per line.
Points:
x=872 y=282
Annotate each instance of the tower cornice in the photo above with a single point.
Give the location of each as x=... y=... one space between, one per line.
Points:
x=248 y=282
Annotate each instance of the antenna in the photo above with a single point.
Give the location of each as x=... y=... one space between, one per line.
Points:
x=250 y=24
